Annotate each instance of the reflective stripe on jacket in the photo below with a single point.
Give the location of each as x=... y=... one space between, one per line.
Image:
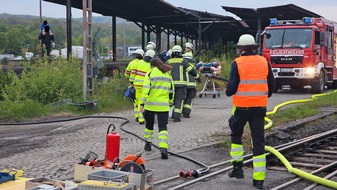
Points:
x=191 y=79
x=128 y=70
x=253 y=86
x=156 y=91
x=141 y=68
x=179 y=69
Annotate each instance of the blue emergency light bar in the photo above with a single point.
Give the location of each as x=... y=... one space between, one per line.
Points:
x=273 y=21
x=306 y=20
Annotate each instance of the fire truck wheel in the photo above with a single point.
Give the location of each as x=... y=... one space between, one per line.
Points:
x=318 y=84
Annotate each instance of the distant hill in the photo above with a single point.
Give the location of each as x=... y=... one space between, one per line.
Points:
x=26 y=17
x=96 y=19
x=102 y=19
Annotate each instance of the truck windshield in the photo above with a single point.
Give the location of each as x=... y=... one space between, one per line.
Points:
x=288 y=38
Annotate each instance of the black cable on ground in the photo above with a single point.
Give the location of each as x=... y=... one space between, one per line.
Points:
x=194 y=173
x=67 y=119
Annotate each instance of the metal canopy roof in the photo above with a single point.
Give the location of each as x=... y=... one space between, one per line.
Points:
x=282 y=12
x=153 y=12
x=218 y=26
x=159 y=14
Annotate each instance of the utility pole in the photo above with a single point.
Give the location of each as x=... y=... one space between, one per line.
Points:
x=124 y=49
x=40 y=11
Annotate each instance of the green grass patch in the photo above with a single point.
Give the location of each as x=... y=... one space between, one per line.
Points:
x=44 y=82
x=303 y=110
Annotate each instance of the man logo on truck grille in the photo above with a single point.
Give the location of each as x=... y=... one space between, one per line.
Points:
x=286 y=58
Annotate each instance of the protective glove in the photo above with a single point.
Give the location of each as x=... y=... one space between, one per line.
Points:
x=53 y=45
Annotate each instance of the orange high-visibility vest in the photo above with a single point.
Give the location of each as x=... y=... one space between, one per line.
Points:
x=253 y=86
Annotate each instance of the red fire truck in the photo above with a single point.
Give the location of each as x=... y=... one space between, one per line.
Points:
x=302 y=52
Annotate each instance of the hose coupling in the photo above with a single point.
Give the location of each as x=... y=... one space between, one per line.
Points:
x=190 y=173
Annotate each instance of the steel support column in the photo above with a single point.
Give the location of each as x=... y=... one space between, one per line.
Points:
x=143 y=36
x=114 y=41
x=199 y=37
x=69 y=31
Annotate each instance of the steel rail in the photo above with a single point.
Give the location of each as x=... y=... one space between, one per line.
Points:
x=317 y=137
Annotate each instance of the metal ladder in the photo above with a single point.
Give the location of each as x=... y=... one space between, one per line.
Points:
x=87 y=49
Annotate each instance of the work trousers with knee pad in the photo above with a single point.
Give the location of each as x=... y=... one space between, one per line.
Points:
x=255 y=117
x=190 y=95
x=138 y=114
x=179 y=96
x=162 y=125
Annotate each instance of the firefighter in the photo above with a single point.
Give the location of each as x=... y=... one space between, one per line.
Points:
x=156 y=99
x=189 y=49
x=179 y=68
x=151 y=45
x=191 y=90
x=251 y=83
x=138 y=55
x=138 y=72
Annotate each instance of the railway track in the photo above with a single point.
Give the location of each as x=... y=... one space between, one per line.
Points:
x=316 y=154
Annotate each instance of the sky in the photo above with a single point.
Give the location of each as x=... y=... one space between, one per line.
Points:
x=326 y=8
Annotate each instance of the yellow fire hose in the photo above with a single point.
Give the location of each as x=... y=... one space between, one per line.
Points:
x=300 y=173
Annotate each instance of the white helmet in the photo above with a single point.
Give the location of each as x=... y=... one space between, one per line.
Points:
x=177 y=48
x=246 y=40
x=139 y=52
x=189 y=45
x=149 y=46
x=152 y=44
x=150 y=53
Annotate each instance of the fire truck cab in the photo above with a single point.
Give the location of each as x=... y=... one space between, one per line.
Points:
x=302 y=52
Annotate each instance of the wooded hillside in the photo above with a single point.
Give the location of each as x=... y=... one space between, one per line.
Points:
x=21 y=31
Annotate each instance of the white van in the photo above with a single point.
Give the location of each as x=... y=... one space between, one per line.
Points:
x=77 y=52
x=132 y=49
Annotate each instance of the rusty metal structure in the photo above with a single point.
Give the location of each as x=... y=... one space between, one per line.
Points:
x=158 y=16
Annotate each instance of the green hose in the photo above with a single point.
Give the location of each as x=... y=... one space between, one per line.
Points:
x=300 y=173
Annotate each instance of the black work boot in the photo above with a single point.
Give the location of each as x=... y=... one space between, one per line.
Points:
x=176 y=119
x=237 y=171
x=186 y=115
x=147 y=146
x=163 y=152
x=258 y=184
